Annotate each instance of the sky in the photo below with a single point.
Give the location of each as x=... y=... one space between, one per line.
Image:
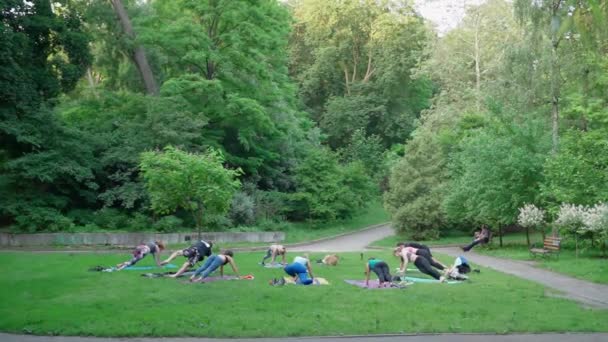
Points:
x=445 y=14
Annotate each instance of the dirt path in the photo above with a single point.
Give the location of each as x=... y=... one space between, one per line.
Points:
x=582 y=291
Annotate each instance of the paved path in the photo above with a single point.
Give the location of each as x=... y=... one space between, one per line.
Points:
x=582 y=291
x=410 y=338
x=353 y=242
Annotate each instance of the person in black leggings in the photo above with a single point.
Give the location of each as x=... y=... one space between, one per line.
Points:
x=423 y=251
x=381 y=269
x=421 y=262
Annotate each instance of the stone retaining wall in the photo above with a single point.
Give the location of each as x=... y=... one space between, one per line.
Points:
x=131 y=239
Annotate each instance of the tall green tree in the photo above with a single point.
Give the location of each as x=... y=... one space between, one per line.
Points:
x=43 y=54
x=353 y=62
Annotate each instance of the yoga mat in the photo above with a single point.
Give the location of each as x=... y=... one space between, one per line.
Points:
x=315 y=281
x=428 y=281
x=212 y=279
x=275 y=265
x=165 y=274
x=374 y=285
x=142 y=268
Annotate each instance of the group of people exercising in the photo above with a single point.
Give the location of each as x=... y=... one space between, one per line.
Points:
x=300 y=269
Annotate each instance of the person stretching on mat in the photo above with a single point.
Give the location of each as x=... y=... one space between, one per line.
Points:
x=424 y=252
x=300 y=270
x=213 y=262
x=381 y=269
x=273 y=251
x=422 y=263
x=141 y=251
x=194 y=254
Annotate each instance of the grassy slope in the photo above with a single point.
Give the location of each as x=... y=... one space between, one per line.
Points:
x=54 y=294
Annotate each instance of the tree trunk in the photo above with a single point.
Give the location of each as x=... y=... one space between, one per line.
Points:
x=500 y=234
x=139 y=55
x=528 y=236
x=555 y=79
x=542 y=232
x=477 y=70
x=92 y=84
x=198 y=219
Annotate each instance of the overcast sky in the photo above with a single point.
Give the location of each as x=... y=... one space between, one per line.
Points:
x=445 y=14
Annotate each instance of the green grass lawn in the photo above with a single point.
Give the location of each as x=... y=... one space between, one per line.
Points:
x=55 y=294
x=588 y=266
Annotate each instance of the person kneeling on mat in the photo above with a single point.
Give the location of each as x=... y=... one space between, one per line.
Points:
x=141 y=251
x=213 y=262
x=422 y=263
x=273 y=251
x=300 y=270
x=194 y=254
x=381 y=269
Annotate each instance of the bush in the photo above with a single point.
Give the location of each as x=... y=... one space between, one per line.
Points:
x=110 y=218
x=42 y=219
x=242 y=209
x=138 y=222
x=168 y=224
x=216 y=222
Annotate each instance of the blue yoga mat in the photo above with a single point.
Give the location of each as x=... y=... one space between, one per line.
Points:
x=142 y=268
x=428 y=281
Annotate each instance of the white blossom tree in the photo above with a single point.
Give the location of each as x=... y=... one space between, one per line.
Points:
x=570 y=220
x=530 y=216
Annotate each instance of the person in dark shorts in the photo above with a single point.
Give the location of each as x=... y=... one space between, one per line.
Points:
x=422 y=263
x=141 y=251
x=273 y=251
x=413 y=244
x=381 y=269
x=194 y=254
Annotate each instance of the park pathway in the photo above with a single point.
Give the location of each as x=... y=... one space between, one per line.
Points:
x=350 y=242
x=582 y=291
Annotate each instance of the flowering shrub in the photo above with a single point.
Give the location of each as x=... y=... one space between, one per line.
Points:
x=530 y=216
x=595 y=220
x=570 y=217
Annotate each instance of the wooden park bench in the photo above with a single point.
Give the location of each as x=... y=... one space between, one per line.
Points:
x=551 y=246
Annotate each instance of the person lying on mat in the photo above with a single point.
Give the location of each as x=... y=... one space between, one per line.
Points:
x=300 y=270
x=273 y=251
x=195 y=253
x=422 y=251
x=381 y=269
x=213 y=262
x=422 y=263
x=141 y=251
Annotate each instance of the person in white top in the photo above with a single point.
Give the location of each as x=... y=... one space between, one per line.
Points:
x=301 y=270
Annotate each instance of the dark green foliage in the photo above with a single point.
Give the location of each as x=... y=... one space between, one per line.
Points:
x=44 y=165
x=497 y=170
x=326 y=190
x=579 y=172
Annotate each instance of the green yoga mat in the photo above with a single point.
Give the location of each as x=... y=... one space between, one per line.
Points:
x=428 y=281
